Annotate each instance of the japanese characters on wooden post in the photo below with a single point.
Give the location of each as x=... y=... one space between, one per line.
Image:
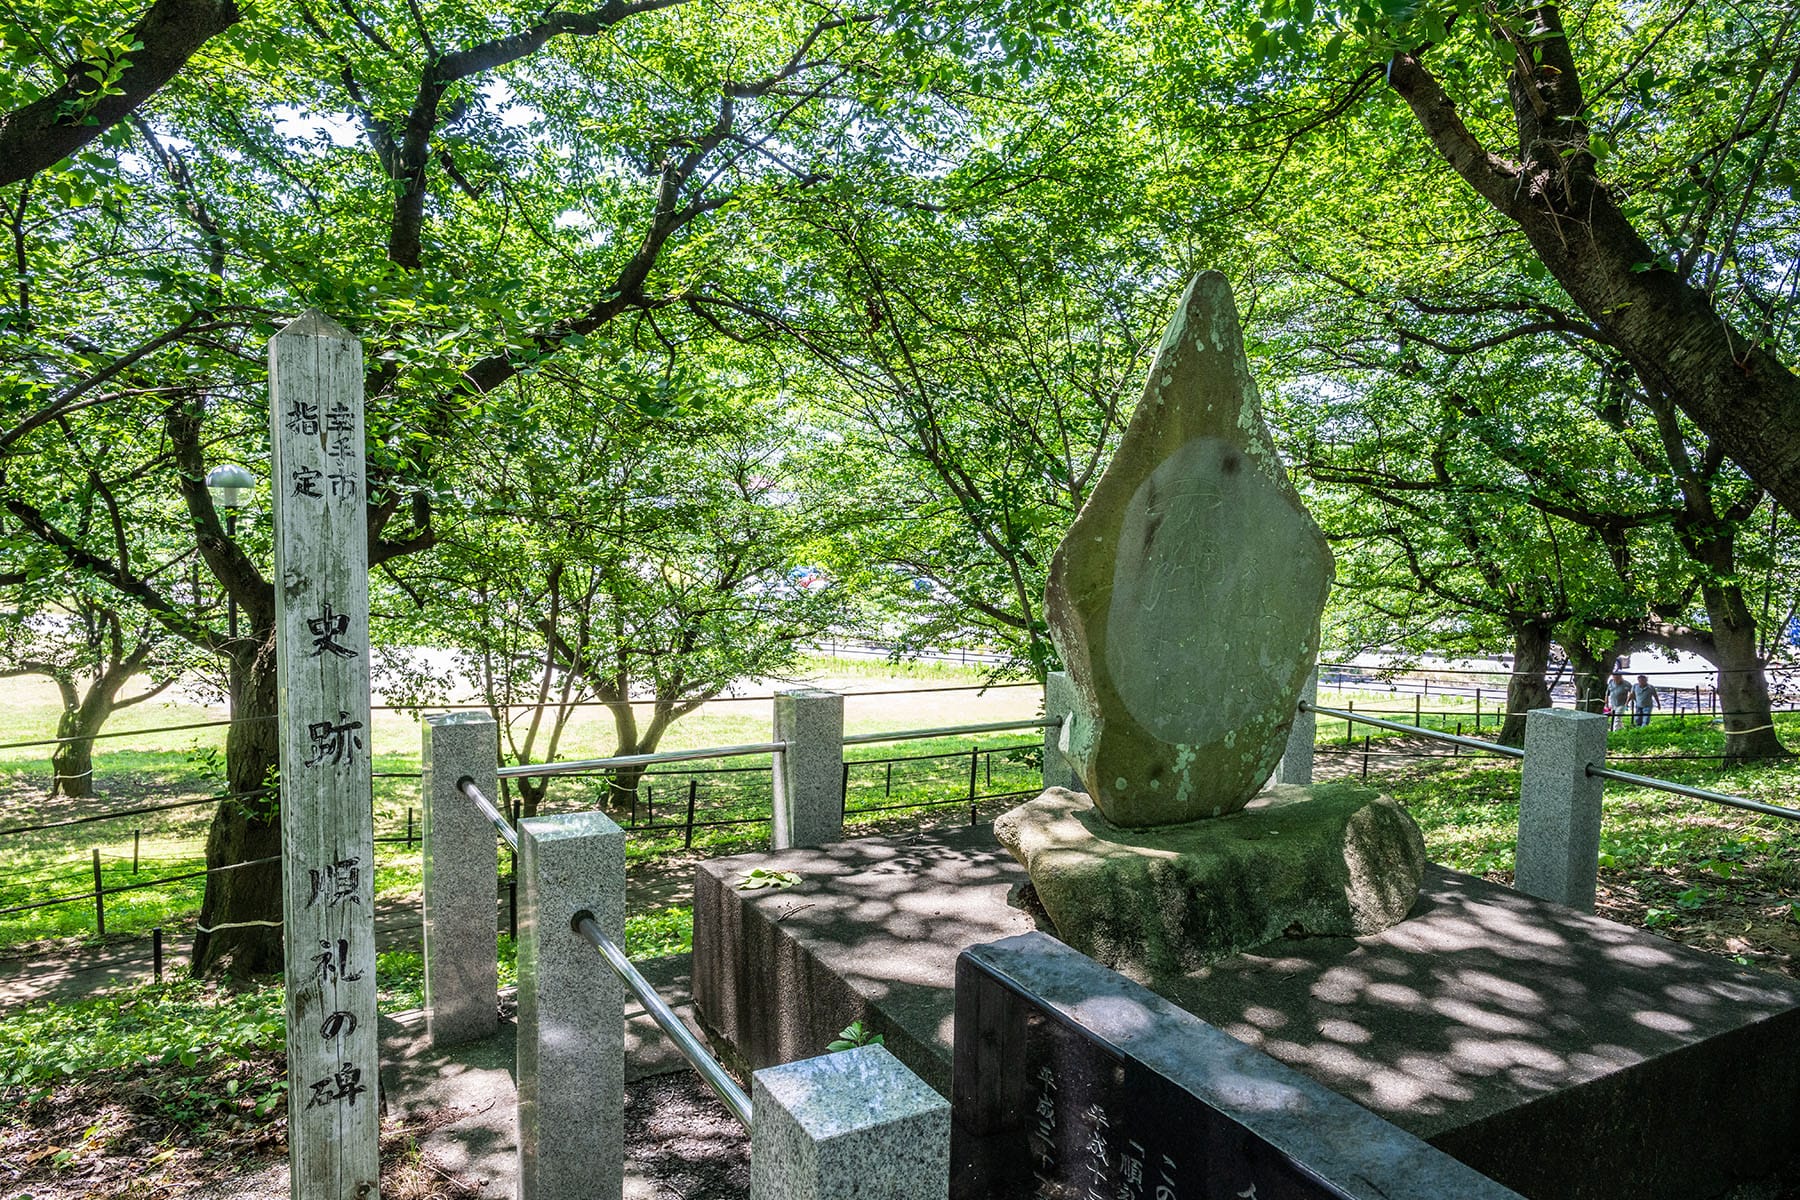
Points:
x=327 y=837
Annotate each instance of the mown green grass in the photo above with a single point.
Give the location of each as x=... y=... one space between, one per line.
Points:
x=731 y=810
x=155 y=768
x=182 y=1021
x=1468 y=807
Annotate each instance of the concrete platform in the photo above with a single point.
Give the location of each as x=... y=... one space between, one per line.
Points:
x=1566 y=1056
x=871 y=933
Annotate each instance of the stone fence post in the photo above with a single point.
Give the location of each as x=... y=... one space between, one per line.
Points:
x=856 y=1125
x=1296 y=764
x=809 y=774
x=1059 y=704
x=1558 y=853
x=462 y=877
x=571 y=1053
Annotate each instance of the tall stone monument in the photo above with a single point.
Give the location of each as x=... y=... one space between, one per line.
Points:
x=1185 y=603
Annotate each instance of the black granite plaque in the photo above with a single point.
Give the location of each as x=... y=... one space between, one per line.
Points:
x=1073 y=1083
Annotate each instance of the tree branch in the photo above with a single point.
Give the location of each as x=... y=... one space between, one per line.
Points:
x=56 y=125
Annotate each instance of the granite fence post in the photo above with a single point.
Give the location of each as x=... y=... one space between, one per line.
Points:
x=1296 y=764
x=462 y=878
x=1559 y=806
x=856 y=1124
x=571 y=1055
x=809 y=774
x=1059 y=703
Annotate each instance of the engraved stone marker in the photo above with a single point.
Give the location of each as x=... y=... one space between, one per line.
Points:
x=1072 y=1083
x=327 y=834
x=1185 y=599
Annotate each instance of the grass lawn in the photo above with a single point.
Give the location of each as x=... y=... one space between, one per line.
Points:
x=1467 y=807
x=731 y=799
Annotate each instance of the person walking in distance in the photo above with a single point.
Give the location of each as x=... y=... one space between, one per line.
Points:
x=1618 y=699
x=1643 y=699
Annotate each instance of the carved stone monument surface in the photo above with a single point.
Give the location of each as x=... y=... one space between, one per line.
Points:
x=1185 y=602
x=1185 y=599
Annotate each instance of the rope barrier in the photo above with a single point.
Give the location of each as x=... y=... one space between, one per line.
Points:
x=237 y=925
x=135 y=812
x=57 y=741
x=526 y=705
x=137 y=887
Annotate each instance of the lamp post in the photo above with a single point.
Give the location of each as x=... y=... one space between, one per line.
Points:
x=230 y=486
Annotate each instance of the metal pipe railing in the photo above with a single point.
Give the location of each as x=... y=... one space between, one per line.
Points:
x=909 y=735
x=536 y=770
x=501 y=826
x=1433 y=734
x=685 y=1041
x=1694 y=793
x=1595 y=772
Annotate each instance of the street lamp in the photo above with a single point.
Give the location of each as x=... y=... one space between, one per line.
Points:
x=230 y=486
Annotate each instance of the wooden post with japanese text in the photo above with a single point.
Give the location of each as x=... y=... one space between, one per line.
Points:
x=327 y=835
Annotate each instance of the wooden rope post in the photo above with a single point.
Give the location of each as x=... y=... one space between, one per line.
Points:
x=327 y=831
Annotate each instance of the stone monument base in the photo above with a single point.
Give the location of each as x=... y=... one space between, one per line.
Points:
x=1335 y=859
x=1563 y=1055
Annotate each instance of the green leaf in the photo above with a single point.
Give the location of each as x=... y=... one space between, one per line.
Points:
x=853 y=1035
x=762 y=877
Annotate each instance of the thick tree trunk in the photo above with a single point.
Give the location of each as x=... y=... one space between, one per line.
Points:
x=72 y=762
x=1526 y=689
x=1731 y=642
x=72 y=766
x=240 y=919
x=84 y=716
x=1590 y=677
x=627 y=780
x=1743 y=684
x=532 y=790
x=625 y=784
x=1594 y=667
x=61 y=122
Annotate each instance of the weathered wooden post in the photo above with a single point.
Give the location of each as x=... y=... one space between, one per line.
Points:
x=327 y=833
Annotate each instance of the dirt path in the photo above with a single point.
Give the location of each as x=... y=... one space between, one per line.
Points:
x=69 y=970
x=1386 y=758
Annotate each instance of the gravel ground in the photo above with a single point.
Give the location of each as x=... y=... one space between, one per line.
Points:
x=683 y=1142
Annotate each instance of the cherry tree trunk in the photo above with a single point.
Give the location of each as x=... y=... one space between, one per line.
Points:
x=1743 y=683
x=1526 y=689
x=244 y=829
x=72 y=763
